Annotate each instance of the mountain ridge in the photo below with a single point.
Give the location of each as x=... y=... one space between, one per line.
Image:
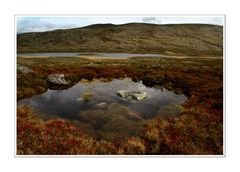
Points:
x=187 y=39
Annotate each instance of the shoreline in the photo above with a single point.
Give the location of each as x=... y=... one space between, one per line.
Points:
x=96 y=58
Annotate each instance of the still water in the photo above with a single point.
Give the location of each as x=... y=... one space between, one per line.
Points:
x=112 y=55
x=106 y=115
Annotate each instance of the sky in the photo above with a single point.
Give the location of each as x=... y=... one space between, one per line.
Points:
x=46 y=23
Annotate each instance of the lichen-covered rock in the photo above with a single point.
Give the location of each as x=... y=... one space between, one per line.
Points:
x=132 y=95
x=23 y=69
x=57 y=79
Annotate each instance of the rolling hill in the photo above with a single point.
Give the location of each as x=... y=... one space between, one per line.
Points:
x=187 y=39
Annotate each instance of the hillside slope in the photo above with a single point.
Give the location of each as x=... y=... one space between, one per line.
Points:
x=189 y=39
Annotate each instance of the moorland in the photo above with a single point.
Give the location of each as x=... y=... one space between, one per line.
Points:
x=198 y=74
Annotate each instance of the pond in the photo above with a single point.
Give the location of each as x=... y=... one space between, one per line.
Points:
x=97 y=108
x=110 y=55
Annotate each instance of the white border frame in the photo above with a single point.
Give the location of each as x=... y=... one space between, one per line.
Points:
x=120 y=156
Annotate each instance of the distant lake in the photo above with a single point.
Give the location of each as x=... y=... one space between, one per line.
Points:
x=110 y=55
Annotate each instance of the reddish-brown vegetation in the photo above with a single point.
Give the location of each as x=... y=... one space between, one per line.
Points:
x=198 y=130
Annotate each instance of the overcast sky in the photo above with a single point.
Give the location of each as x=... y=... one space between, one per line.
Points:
x=40 y=24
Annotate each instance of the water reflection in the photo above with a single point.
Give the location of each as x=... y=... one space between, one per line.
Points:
x=106 y=115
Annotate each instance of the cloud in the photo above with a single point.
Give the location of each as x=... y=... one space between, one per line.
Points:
x=38 y=24
x=185 y=19
x=154 y=20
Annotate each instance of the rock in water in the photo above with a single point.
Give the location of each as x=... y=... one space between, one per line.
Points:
x=79 y=99
x=132 y=95
x=101 y=105
x=23 y=69
x=57 y=79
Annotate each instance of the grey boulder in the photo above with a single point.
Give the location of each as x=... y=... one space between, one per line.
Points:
x=57 y=79
x=132 y=95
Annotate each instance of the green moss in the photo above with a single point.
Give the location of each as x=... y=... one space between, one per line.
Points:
x=87 y=96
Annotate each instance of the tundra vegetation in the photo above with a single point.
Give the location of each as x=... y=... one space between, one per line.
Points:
x=198 y=130
x=171 y=39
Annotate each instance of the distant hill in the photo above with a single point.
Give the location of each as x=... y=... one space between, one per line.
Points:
x=189 y=39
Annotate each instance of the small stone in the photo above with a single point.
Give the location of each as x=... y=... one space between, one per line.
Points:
x=23 y=69
x=79 y=99
x=101 y=105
